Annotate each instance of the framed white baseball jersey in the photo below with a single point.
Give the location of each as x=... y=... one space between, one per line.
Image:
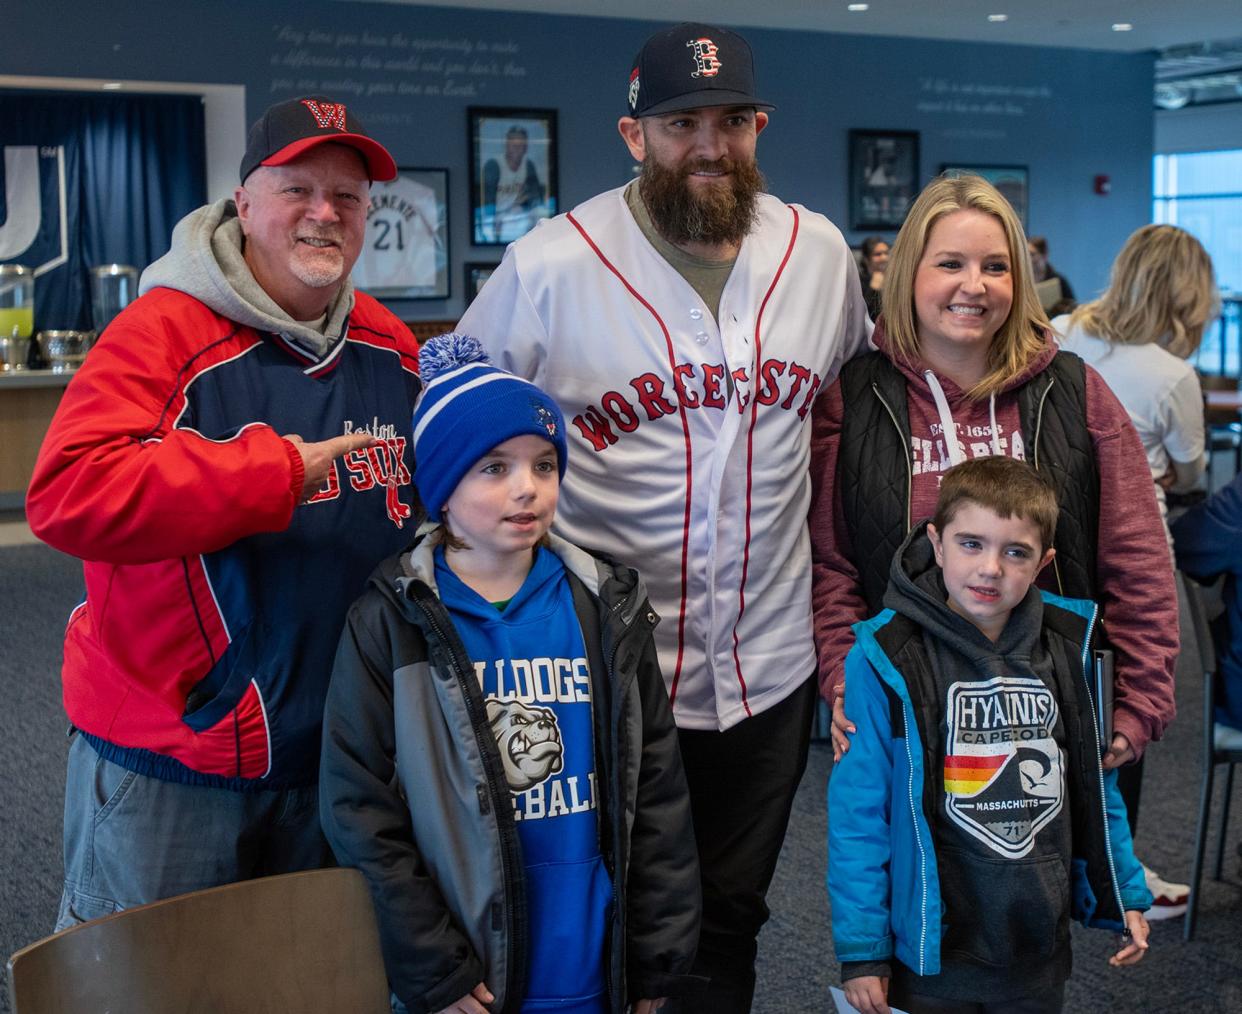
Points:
x=404 y=245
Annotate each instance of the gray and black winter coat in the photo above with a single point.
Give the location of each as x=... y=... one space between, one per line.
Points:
x=413 y=792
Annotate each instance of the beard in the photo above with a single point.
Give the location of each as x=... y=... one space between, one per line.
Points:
x=720 y=213
x=319 y=267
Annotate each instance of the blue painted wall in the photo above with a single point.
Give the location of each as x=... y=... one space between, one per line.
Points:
x=411 y=72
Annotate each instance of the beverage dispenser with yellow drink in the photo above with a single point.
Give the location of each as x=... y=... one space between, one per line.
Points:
x=16 y=315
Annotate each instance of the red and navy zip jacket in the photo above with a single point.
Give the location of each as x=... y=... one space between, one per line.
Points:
x=213 y=600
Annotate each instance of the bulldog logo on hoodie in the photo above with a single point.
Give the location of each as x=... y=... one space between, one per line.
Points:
x=529 y=741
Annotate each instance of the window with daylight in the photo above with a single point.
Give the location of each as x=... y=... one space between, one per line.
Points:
x=1202 y=193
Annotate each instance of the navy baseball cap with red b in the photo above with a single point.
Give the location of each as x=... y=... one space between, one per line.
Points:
x=690 y=66
x=288 y=129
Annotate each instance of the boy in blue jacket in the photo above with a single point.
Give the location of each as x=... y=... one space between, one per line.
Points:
x=971 y=817
x=499 y=755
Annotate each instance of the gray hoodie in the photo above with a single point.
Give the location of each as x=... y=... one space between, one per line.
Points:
x=206 y=262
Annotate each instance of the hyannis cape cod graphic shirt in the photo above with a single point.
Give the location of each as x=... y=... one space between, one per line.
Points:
x=1004 y=775
x=530 y=661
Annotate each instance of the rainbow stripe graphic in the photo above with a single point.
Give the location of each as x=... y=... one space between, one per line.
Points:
x=967 y=774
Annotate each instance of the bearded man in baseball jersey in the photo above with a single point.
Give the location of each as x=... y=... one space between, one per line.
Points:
x=687 y=323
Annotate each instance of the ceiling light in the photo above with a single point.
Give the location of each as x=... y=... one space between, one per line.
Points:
x=1122 y=26
x=112 y=86
x=857 y=8
x=998 y=17
x=1172 y=96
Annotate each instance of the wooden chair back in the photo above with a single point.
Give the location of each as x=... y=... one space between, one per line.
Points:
x=304 y=942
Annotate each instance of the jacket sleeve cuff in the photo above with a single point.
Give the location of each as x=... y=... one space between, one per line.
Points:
x=297 y=468
x=653 y=985
x=857 y=969
x=448 y=990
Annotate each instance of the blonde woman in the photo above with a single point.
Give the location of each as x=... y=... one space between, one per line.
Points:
x=1138 y=336
x=966 y=367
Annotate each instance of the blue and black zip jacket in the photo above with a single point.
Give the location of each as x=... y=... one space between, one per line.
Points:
x=883 y=875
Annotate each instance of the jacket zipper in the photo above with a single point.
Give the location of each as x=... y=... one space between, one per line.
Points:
x=905 y=443
x=914 y=817
x=1086 y=649
x=910 y=719
x=618 y=835
x=1039 y=427
x=1099 y=768
x=506 y=830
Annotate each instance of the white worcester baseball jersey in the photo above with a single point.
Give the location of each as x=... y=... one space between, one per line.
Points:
x=699 y=483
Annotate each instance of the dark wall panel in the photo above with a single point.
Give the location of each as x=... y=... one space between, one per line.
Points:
x=1068 y=115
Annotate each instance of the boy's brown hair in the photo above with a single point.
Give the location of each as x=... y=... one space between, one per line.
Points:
x=1006 y=486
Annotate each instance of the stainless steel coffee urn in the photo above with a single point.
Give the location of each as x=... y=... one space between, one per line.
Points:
x=113 y=287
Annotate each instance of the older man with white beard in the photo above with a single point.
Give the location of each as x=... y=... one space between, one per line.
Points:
x=686 y=323
x=230 y=464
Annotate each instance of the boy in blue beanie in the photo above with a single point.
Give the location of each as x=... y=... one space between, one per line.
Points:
x=499 y=756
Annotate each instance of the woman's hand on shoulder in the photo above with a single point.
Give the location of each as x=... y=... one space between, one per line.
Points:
x=842 y=727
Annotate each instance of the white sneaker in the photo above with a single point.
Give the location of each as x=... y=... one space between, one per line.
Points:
x=1169 y=900
x=1226 y=737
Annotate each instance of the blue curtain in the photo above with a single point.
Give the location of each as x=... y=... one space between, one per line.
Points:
x=93 y=179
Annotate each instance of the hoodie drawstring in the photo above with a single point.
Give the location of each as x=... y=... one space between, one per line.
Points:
x=949 y=428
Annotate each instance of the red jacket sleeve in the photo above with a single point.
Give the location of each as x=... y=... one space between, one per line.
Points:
x=836 y=598
x=115 y=482
x=1134 y=573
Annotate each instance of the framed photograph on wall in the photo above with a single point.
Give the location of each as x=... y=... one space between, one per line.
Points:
x=477 y=274
x=1013 y=181
x=512 y=172
x=884 y=177
x=405 y=254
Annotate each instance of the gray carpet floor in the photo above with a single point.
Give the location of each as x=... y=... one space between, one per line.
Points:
x=39 y=587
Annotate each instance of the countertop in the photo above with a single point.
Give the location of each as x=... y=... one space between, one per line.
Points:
x=34 y=378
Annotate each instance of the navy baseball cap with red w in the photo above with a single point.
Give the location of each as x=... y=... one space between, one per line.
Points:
x=690 y=66
x=288 y=129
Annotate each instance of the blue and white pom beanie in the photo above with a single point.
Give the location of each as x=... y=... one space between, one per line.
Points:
x=468 y=406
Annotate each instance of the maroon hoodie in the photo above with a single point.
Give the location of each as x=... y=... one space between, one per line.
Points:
x=1134 y=583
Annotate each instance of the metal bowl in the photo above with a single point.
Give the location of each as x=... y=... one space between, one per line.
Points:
x=13 y=352
x=65 y=350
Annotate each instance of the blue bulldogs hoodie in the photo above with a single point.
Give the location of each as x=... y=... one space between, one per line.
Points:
x=531 y=664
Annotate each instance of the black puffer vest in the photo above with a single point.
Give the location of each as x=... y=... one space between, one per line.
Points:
x=875 y=467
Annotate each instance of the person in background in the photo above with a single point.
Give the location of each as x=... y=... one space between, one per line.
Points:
x=965 y=367
x=496 y=658
x=938 y=903
x=1138 y=336
x=230 y=464
x=687 y=324
x=1208 y=541
x=871 y=271
x=1042 y=271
